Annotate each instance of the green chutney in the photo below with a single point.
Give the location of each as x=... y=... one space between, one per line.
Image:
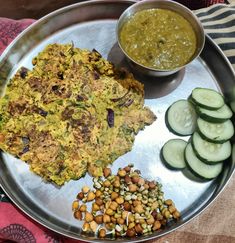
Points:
x=158 y=38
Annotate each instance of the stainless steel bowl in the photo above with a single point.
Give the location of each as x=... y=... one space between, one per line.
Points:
x=162 y=4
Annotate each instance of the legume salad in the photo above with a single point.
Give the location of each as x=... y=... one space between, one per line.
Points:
x=124 y=204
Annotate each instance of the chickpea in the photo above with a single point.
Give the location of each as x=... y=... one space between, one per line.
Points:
x=99 y=201
x=102 y=233
x=90 y=196
x=154 y=213
x=85 y=189
x=116 y=178
x=98 y=193
x=159 y=216
x=114 y=195
x=135 y=179
x=163 y=211
x=80 y=195
x=117 y=215
x=136 y=202
x=106 y=218
x=168 y=202
x=113 y=205
x=152 y=185
x=167 y=214
x=127 y=179
x=156 y=225
x=127 y=206
x=83 y=208
x=142 y=221
x=141 y=181
x=176 y=214
x=78 y=215
x=75 y=205
x=131 y=232
x=154 y=205
x=86 y=227
x=139 y=209
x=124 y=214
x=109 y=211
x=88 y=217
x=93 y=225
x=99 y=219
x=131 y=225
x=138 y=229
x=95 y=207
x=131 y=218
x=116 y=183
x=146 y=186
x=120 y=221
x=109 y=226
x=121 y=173
x=127 y=169
x=106 y=172
x=113 y=220
x=150 y=220
x=171 y=209
x=107 y=183
x=119 y=200
x=133 y=187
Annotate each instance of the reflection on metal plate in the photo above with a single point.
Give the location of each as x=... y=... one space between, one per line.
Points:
x=92 y=25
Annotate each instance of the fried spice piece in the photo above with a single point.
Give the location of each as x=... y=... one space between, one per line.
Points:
x=76 y=110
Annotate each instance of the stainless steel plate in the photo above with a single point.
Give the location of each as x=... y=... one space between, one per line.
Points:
x=92 y=25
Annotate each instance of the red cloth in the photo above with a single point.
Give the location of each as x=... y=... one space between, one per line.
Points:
x=16 y=226
x=9 y=29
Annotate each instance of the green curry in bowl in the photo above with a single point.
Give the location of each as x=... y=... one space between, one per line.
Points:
x=158 y=38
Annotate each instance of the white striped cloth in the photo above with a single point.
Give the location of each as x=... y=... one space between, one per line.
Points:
x=219 y=23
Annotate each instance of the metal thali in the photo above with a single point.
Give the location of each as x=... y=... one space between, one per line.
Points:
x=91 y=25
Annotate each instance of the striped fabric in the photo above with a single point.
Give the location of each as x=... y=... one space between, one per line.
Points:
x=196 y=4
x=219 y=23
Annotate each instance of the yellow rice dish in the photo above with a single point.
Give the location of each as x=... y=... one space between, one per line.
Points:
x=73 y=113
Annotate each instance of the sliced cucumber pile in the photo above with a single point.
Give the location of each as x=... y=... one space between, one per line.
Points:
x=173 y=153
x=205 y=117
x=181 y=118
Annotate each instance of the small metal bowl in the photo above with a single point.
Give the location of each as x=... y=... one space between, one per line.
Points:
x=162 y=4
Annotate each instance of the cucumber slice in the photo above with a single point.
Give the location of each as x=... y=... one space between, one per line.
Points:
x=207 y=98
x=208 y=152
x=215 y=132
x=181 y=118
x=222 y=114
x=198 y=167
x=173 y=153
